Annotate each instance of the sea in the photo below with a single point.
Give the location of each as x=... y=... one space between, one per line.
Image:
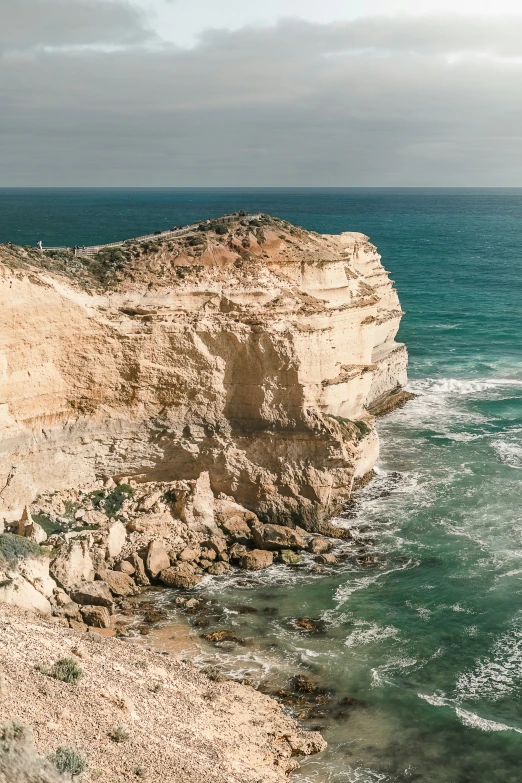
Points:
x=419 y=656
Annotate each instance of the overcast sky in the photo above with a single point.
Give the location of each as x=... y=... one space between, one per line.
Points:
x=276 y=93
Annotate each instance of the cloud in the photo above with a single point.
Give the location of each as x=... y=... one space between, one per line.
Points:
x=382 y=101
x=27 y=24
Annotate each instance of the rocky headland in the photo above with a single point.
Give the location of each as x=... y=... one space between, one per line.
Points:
x=175 y=409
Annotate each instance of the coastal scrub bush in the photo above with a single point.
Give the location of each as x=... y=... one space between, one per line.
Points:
x=112 y=256
x=119 y=734
x=69 y=761
x=65 y=670
x=364 y=429
x=11 y=732
x=113 y=502
x=14 y=548
x=49 y=525
x=213 y=674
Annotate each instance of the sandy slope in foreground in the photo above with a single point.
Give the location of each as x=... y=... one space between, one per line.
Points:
x=182 y=726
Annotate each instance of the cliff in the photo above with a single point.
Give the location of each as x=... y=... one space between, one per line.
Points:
x=250 y=349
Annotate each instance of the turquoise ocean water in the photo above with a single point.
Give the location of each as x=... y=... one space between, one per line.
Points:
x=428 y=644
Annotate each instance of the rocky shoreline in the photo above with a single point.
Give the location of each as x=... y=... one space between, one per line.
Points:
x=106 y=543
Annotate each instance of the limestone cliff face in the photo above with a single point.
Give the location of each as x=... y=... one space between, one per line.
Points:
x=252 y=352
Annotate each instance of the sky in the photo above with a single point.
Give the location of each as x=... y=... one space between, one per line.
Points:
x=179 y=93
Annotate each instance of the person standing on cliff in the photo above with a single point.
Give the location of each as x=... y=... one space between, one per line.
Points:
x=39 y=245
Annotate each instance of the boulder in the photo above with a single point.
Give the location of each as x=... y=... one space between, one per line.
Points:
x=116 y=539
x=218 y=543
x=237 y=529
x=217 y=569
x=256 y=559
x=157 y=558
x=30 y=529
x=195 y=504
x=70 y=610
x=119 y=584
x=95 y=593
x=277 y=537
x=319 y=545
x=140 y=575
x=182 y=576
x=98 y=556
x=237 y=551
x=189 y=554
x=126 y=567
x=72 y=564
x=289 y=557
x=154 y=525
x=96 y=616
x=36 y=572
x=17 y=591
x=234 y=520
x=93 y=518
x=326 y=559
x=208 y=554
x=150 y=500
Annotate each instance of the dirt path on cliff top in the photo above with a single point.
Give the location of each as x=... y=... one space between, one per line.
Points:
x=182 y=726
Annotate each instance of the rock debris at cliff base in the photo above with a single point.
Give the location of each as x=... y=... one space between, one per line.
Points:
x=251 y=350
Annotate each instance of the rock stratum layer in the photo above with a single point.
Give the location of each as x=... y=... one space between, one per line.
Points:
x=250 y=349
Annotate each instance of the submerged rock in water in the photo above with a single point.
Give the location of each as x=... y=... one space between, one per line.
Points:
x=309 y=625
x=223 y=635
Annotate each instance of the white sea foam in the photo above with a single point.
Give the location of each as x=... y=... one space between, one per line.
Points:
x=468 y=718
x=509 y=452
x=497 y=675
x=476 y=722
x=436 y=701
x=456 y=386
x=371 y=635
x=381 y=674
x=343 y=592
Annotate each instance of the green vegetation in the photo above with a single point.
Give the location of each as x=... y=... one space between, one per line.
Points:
x=11 y=732
x=119 y=734
x=65 y=670
x=112 y=502
x=213 y=674
x=112 y=257
x=48 y=524
x=362 y=429
x=69 y=761
x=14 y=548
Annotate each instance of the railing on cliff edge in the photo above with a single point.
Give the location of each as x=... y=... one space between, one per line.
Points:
x=89 y=252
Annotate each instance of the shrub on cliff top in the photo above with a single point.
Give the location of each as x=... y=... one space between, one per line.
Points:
x=14 y=548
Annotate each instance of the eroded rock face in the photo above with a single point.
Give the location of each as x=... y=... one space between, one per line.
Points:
x=246 y=366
